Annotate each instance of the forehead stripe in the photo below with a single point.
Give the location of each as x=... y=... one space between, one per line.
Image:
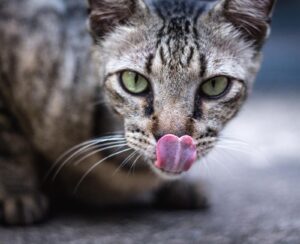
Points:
x=149 y=63
x=203 y=65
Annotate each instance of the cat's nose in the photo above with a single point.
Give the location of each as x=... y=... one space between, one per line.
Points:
x=171 y=120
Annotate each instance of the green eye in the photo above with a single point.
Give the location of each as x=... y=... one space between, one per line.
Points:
x=134 y=82
x=215 y=87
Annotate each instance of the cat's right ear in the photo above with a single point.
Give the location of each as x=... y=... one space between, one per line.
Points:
x=105 y=15
x=251 y=17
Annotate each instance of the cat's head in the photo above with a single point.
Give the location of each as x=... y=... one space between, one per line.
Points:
x=177 y=71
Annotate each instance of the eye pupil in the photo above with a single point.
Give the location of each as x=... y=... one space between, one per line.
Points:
x=136 y=79
x=213 y=83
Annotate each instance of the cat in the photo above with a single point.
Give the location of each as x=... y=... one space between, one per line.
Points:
x=154 y=82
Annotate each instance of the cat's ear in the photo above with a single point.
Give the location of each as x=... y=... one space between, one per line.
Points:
x=105 y=15
x=252 y=17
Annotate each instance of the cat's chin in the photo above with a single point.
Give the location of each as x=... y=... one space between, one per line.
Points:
x=165 y=174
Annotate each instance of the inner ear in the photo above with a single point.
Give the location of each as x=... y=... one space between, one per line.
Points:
x=252 y=17
x=106 y=15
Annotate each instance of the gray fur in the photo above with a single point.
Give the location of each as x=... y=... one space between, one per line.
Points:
x=52 y=72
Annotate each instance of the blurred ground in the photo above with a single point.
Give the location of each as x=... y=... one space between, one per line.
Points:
x=255 y=193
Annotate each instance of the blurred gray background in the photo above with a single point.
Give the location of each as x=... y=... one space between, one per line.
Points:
x=282 y=52
x=253 y=181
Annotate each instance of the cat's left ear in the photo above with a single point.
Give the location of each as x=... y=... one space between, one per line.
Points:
x=105 y=15
x=252 y=17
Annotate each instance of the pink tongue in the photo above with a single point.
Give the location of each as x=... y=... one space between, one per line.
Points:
x=175 y=155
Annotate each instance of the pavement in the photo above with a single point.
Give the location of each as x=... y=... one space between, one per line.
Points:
x=254 y=186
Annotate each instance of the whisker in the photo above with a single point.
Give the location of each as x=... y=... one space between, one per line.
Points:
x=88 y=146
x=83 y=150
x=100 y=146
x=243 y=147
x=205 y=163
x=84 y=144
x=237 y=143
x=249 y=152
x=134 y=163
x=233 y=149
x=239 y=147
x=97 y=164
x=216 y=160
x=125 y=161
x=88 y=143
x=79 y=161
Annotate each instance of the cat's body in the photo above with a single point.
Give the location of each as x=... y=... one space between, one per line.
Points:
x=51 y=76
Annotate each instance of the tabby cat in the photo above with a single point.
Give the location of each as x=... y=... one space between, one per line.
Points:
x=143 y=96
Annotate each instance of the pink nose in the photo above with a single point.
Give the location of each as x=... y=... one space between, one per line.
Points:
x=175 y=155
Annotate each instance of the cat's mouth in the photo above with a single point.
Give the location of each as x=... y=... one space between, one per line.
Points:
x=175 y=155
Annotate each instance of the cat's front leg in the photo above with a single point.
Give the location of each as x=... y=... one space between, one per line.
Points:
x=23 y=208
x=181 y=194
x=21 y=201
